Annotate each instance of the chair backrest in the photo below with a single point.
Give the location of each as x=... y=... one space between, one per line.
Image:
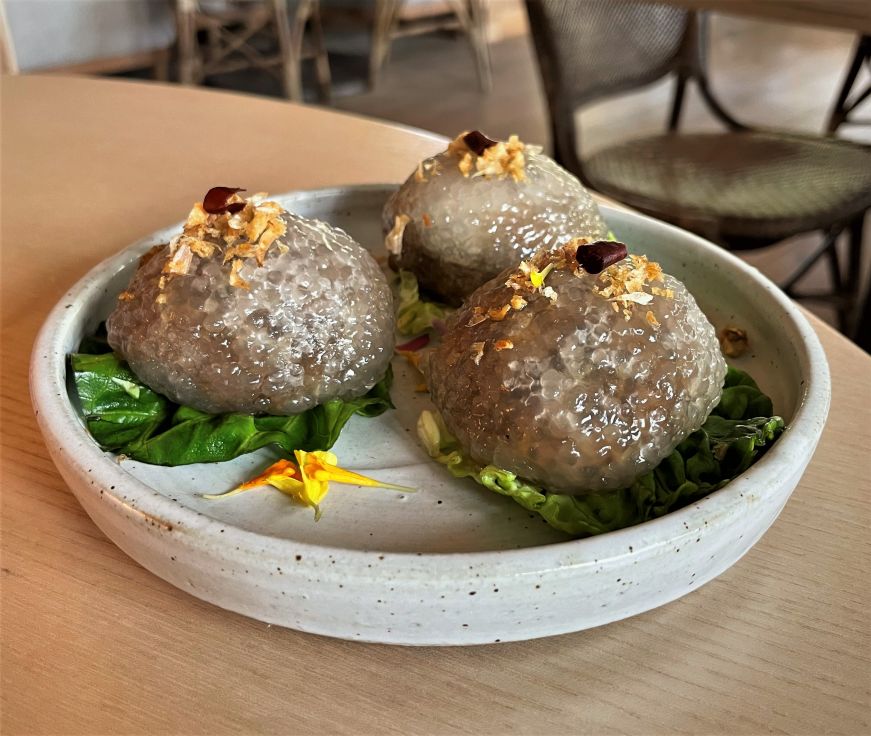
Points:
x=591 y=49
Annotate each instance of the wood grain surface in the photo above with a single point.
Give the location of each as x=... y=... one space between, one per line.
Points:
x=94 y=644
x=847 y=15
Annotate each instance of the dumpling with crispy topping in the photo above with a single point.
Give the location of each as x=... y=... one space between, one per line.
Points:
x=578 y=371
x=256 y=310
x=479 y=207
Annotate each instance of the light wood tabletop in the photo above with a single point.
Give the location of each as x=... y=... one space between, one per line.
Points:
x=845 y=15
x=94 y=644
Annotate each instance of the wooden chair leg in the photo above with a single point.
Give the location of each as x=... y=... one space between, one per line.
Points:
x=213 y=44
x=322 y=57
x=386 y=14
x=291 y=53
x=308 y=13
x=8 y=59
x=480 y=47
x=187 y=41
x=160 y=69
x=471 y=15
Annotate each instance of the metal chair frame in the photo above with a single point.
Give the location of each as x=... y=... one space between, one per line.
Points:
x=840 y=115
x=688 y=64
x=843 y=106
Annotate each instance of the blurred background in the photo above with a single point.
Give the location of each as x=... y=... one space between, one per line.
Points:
x=779 y=84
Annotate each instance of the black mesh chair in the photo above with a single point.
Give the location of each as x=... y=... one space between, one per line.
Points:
x=741 y=188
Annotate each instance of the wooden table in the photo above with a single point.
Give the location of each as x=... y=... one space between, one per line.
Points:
x=92 y=643
x=845 y=15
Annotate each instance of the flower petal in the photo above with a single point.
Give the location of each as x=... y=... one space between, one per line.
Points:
x=321 y=467
x=282 y=475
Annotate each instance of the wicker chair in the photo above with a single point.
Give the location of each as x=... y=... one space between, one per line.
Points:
x=230 y=27
x=466 y=16
x=741 y=188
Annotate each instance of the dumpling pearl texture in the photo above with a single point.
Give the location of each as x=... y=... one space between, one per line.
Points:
x=585 y=400
x=316 y=324
x=465 y=230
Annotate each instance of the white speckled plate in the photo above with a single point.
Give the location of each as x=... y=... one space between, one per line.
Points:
x=452 y=563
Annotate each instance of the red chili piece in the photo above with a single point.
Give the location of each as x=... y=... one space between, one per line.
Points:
x=596 y=257
x=413 y=345
x=215 y=201
x=477 y=142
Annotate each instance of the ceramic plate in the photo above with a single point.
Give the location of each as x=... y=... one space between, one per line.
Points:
x=452 y=563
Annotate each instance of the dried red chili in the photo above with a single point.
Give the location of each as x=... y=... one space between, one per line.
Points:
x=477 y=142
x=215 y=201
x=596 y=257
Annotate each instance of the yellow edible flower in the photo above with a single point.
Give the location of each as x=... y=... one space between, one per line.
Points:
x=307 y=480
x=537 y=277
x=283 y=475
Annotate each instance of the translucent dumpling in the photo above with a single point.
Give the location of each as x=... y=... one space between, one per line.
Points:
x=574 y=380
x=256 y=310
x=482 y=206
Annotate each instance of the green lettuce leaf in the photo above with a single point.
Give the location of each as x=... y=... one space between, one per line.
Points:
x=114 y=414
x=413 y=314
x=125 y=416
x=731 y=439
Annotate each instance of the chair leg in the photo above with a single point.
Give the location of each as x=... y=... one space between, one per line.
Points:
x=322 y=59
x=213 y=44
x=835 y=268
x=677 y=103
x=386 y=12
x=829 y=243
x=290 y=52
x=8 y=58
x=187 y=41
x=844 y=294
x=854 y=269
x=478 y=39
x=841 y=306
x=841 y=108
x=309 y=11
x=861 y=332
x=160 y=68
x=472 y=17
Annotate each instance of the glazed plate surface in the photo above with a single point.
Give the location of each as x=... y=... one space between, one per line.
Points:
x=452 y=563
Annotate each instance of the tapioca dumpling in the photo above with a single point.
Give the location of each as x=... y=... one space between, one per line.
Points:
x=579 y=384
x=482 y=206
x=256 y=310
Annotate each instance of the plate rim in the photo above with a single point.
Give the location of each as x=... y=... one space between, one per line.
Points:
x=48 y=383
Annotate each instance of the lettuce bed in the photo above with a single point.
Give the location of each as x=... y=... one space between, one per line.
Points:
x=735 y=435
x=125 y=416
